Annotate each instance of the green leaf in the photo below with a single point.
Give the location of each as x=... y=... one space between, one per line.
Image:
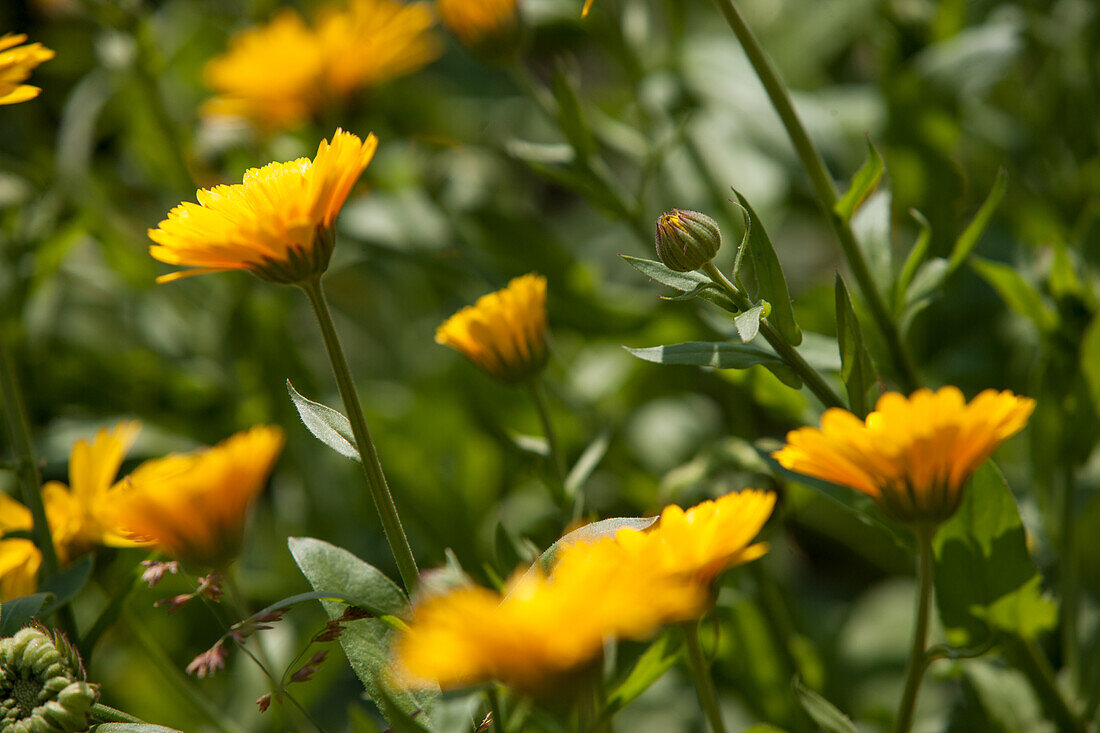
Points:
x=400 y=721
x=693 y=284
x=1016 y=293
x=923 y=289
x=864 y=183
x=14 y=614
x=720 y=355
x=587 y=463
x=1090 y=361
x=748 y=323
x=764 y=728
x=966 y=242
x=985 y=578
x=131 y=728
x=327 y=425
x=821 y=711
x=65 y=585
x=366 y=642
x=570 y=116
x=771 y=284
x=916 y=258
x=856 y=368
x=660 y=657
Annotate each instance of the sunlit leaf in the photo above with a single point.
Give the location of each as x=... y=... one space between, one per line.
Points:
x=327 y=425
x=719 y=355
x=694 y=283
x=770 y=282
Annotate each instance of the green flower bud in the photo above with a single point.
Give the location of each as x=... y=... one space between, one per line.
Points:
x=42 y=687
x=687 y=240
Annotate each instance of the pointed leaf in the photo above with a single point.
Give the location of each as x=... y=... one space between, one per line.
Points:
x=856 y=368
x=67 y=583
x=720 y=355
x=966 y=242
x=131 y=728
x=864 y=183
x=587 y=463
x=593 y=532
x=327 y=425
x=14 y=614
x=823 y=712
x=660 y=657
x=916 y=258
x=771 y=284
x=1017 y=293
x=748 y=323
x=695 y=283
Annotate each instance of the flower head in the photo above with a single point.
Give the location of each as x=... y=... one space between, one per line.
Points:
x=193 y=506
x=687 y=240
x=504 y=333
x=489 y=28
x=16 y=64
x=19 y=558
x=276 y=224
x=42 y=685
x=912 y=455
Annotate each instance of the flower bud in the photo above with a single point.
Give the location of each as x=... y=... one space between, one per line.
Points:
x=42 y=685
x=687 y=240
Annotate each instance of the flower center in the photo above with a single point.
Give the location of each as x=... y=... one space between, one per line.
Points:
x=25 y=692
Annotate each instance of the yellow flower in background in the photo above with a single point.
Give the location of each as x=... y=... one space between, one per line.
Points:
x=912 y=455
x=706 y=539
x=19 y=558
x=587 y=7
x=80 y=513
x=16 y=64
x=280 y=74
x=489 y=28
x=193 y=506
x=276 y=224
x=372 y=41
x=504 y=333
x=543 y=628
x=270 y=74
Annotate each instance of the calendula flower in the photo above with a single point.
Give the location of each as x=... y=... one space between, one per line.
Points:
x=270 y=74
x=193 y=506
x=42 y=686
x=543 y=628
x=504 y=333
x=19 y=558
x=488 y=28
x=278 y=224
x=280 y=74
x=912 y=455
x=16 y=64
x=704 y=540
x=79 y=514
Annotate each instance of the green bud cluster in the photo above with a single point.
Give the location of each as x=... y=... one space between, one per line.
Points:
x=687 y=240
x=42 y=687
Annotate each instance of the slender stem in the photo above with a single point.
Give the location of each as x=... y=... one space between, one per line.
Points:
x=499 y=723
x=786 y=352
x=538 y=395
x=700 y=675
x=1070 y=574
x=176 y=679
x=372 y=466
x=824 y=188
x=917 y=665
x=1034 y=664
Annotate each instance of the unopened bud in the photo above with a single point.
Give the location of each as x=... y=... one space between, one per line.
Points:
x=687 y=240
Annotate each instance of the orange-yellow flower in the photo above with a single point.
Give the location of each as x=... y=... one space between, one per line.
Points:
x=489 y=28
x=912 y=455
x=19 y=558
x=16 y=64
x=504 y=333
x=276 y=224
x=193 y=506
x=543 y=628
x=80 y=513
x=280 y=74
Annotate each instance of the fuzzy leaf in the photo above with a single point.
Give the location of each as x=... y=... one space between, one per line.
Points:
x=771 y=284
x=748 y=323
x=720 y=355
x=327 y=425
x=691 y=283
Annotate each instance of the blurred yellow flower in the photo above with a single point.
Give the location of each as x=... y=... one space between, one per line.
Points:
x=270 y=74
x=193 y=506
x=587 y=7
x=16 y=64
x=19 y=558
x=912 y=455
x=489 y=28
x=543 y=628
x=706 y=539
x=80 y=513
x=277 y=224
x=504 y=333
x=280 y=74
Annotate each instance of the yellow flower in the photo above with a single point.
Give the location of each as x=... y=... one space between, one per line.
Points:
x=587 y=7
x=543 y=628
x=489 y=28
x=280 y=74
x=913 y=456
x=193 y=506
x=706 y=539
x=270 y=74
x=277 y=224
x=16 y=64
x=19 y=558
x=504 y=333
x=79 y=514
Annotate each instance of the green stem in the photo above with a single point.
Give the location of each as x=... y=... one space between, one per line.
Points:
x=824 y=188
x=1034 y=664
x=372 y=466
x=1070 y=573
x=786 y=352
x=499 y=723
x=538 y=395
x=916 y=667
x=700 y=675
x=176 y=679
